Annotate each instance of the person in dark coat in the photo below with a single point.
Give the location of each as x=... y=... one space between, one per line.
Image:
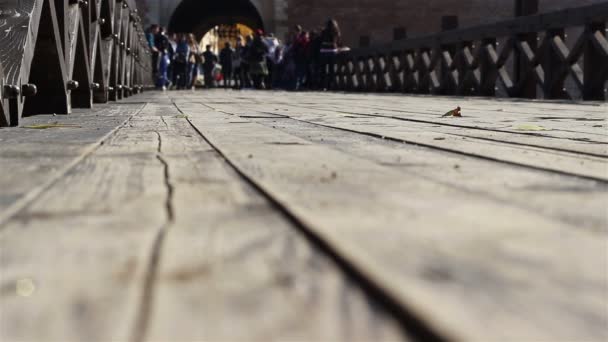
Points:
x=257 y=60
x=245 y=65
x=151 y=38
x=237 y=63
x=301 y=58
x=180 y=62
x=226 y=60
x=330 y=42
x=161 y=43
x=210 y=59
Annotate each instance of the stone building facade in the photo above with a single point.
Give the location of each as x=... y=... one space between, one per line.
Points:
x=362 y=21
x=379 y=21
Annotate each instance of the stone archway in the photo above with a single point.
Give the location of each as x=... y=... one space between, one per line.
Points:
x=199 y=16
x=273 y=13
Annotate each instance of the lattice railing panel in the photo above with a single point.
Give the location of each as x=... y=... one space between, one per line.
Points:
x=557 y=55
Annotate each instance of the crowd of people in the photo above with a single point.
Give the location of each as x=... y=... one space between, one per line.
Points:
x=259 y=61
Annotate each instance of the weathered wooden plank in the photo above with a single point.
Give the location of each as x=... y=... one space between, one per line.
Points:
x=541 y=158
x=85 y=283
x=572 y=201
x=559 y=120
x=573 y=142
x=230 y=261
x=33 y=159
x=450 y=256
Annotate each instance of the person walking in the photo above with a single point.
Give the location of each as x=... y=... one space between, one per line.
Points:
x=210 y=59
x=288 y=65
x=272 y=43
x=195 y=59
x=150 y=35
x=171 y=75
x=182 y=52
x=257 y=60
x=300 y=55
x=277 y=64
x=330 y=42
x=237 y=63
x=161 y=42
x=314 y=49
x=245 y=62
x=227 y=60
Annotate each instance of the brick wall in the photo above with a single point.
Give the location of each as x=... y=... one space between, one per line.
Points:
x=377 y=19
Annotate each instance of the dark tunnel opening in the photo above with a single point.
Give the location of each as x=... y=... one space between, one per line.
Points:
x=200 y=16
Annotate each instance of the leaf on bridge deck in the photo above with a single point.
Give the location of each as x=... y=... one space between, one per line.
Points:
x=454 y=112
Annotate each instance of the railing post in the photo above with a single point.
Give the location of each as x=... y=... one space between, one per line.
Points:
x=488 y=70
x=382 y=84
x=4 y=118
x=410 y=75
x=370 y=71
x=448 y=84
x=522 y=68
x=360 y=73
x=423 y=72
x=553 y=68
x=595 y=62
x=48 y=70
x=461 y=67
x=395 y=70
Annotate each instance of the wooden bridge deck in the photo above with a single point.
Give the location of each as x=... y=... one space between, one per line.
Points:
x=224 y=216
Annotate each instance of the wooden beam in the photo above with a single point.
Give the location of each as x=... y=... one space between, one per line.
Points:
x=48 y=69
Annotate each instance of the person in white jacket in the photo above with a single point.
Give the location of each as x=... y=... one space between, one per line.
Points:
x=272 y=43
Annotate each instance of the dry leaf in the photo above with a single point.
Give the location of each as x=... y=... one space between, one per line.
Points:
x=454 y=112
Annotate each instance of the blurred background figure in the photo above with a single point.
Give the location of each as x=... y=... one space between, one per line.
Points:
x=272 y=43
x=151 y=37
x=237 y=63
x=181 y=62
x=195 y=60
x=257 y=60
x=330 y=41
x=161 y=43
x=209 y=62
x=227 y=57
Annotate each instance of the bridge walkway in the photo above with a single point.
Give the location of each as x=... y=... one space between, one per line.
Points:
x=224 y=215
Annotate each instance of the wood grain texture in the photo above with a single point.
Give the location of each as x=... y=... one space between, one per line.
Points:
x=85 y=245
x=231 y=261
x=574 y=201
x=255 y=216
x=452 y=256
x=558 y=155
x=33 y=159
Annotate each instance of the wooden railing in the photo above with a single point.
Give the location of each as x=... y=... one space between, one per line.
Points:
x=526 y=57
x=59 y=54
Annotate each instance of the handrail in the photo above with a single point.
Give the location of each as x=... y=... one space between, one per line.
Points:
x=469 y=61
x=61 y=54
